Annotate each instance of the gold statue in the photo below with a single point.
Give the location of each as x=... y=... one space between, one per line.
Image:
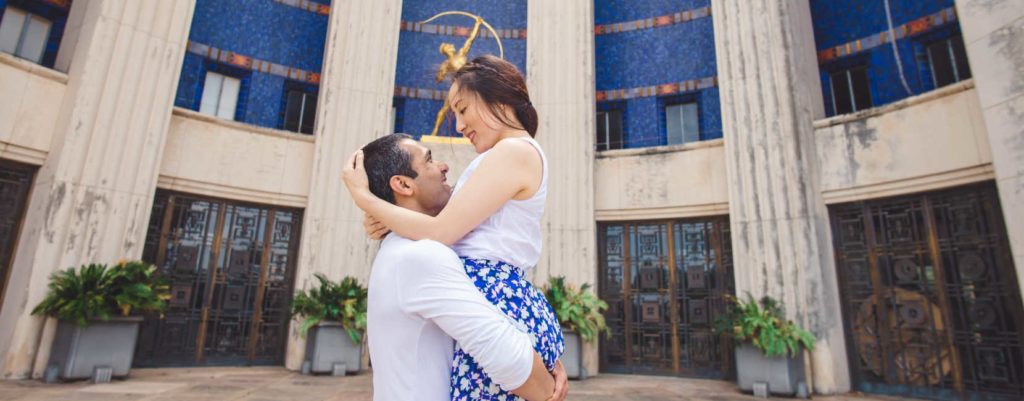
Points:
x=456 y=59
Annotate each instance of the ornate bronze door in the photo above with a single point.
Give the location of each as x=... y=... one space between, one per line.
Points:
x=230 y=266
x=15 y=182
x=663 y=282
x=930 y=296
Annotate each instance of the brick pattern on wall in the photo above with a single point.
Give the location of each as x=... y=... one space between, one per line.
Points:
x=662 y=53
x=654 y=22
x=840 y=26
x=908 y=29
x=252 y=63
x=658 y=90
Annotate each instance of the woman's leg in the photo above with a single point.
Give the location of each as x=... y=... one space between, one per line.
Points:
x=505 y=287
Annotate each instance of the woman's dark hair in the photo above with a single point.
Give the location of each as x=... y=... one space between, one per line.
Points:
x=498 y=83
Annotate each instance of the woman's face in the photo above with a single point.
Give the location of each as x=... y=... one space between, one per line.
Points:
x=473 y=119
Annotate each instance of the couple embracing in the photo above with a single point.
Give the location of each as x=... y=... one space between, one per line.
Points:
x=451 y=315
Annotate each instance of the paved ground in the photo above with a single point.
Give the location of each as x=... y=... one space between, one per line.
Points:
x=268 y=383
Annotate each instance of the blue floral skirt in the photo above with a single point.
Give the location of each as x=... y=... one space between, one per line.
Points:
x=506 y=287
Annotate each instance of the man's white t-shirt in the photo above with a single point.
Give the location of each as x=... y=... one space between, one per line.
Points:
x=420 y=299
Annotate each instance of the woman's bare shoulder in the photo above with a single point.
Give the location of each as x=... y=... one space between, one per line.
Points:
x=516 y=149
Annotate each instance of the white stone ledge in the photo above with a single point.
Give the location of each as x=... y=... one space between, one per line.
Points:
x=229 y=192
x=662 y=213
x=13 y=151
x=195 y=115
x=931 y=182
x=33 y=68
x=944 y=91
x=654 y=150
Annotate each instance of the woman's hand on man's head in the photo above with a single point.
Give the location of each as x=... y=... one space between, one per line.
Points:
x=354 y=175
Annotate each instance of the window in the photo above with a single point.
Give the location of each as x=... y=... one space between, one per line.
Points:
x=300 y=111
x=24 y=34
x=682 y=123
x=851 y=90
x=948 y=61
x=609 y=129
x=220 y=95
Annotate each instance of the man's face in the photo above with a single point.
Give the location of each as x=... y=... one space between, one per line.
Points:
x=432 y=189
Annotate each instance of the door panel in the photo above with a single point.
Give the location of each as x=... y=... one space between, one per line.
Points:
x=231 y=270
x=664 y=282
x=930 y=290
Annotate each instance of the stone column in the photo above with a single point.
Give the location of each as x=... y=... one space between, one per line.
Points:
x=993 y=32
x=92 y=197
x=560 y=77
x=771 y=95
x=356 y=89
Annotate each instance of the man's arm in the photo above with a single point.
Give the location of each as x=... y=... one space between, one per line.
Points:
x=439 y=290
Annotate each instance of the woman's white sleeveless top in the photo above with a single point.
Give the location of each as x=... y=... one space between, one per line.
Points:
x=512 y=234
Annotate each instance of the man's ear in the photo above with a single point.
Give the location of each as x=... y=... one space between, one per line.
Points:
x=402 y=185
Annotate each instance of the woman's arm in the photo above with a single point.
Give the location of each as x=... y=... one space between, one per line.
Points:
x=511 y=170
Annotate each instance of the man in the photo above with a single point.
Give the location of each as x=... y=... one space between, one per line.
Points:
x=420 y=297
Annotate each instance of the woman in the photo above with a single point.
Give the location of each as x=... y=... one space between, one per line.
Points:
x=493 y=217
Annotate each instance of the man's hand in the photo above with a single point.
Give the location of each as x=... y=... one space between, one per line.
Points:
x=561 y=383
x=374 y=228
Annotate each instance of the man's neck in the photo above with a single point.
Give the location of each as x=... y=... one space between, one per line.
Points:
x=411 y=204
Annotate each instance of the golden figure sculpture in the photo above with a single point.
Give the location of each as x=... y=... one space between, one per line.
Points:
x=456 y=59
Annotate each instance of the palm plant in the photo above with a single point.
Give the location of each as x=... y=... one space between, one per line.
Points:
x=762 y=324
x=344 y=303
x=96 y=291
x=577 y=310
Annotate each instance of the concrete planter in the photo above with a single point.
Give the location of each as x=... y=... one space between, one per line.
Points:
x=330 y=350
x=572 y=357
x=764 y=376
x=77 y=352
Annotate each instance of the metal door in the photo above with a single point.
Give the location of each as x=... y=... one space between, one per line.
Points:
x=15 y=182
x=664 y=282
x=930 y=295
x=230 y=266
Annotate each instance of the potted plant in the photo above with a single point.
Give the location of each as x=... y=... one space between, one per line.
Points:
x=336 y=313
x=98 y=310
x=769 y=355
x=579 y=314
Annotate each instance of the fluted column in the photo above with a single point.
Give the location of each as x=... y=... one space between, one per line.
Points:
x=771 y=95
x=560 y=77
x=92 y=197
x=354 y=106
x=993 y=32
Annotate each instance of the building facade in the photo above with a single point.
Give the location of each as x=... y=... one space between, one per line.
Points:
x=859 y=161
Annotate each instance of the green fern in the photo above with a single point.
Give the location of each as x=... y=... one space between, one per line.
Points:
x=762 y=325
x=98 y=292
x=576 y=310
x=330 y=301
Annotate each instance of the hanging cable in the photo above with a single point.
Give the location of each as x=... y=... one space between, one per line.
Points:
x=895 y=49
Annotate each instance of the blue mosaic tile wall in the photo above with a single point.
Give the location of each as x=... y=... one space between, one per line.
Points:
x=660 y=55
x=261 y=29
x=58 y=19
x=837 y=22
x=418 y=55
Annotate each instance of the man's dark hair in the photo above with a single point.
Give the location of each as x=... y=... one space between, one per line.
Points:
x=384 y=158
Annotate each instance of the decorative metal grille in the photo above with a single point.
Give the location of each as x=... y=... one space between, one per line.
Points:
x=664 y=282
x=230 y=267
x=15 y=182
x=931 y=296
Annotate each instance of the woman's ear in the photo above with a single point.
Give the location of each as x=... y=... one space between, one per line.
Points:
x=402 y=185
